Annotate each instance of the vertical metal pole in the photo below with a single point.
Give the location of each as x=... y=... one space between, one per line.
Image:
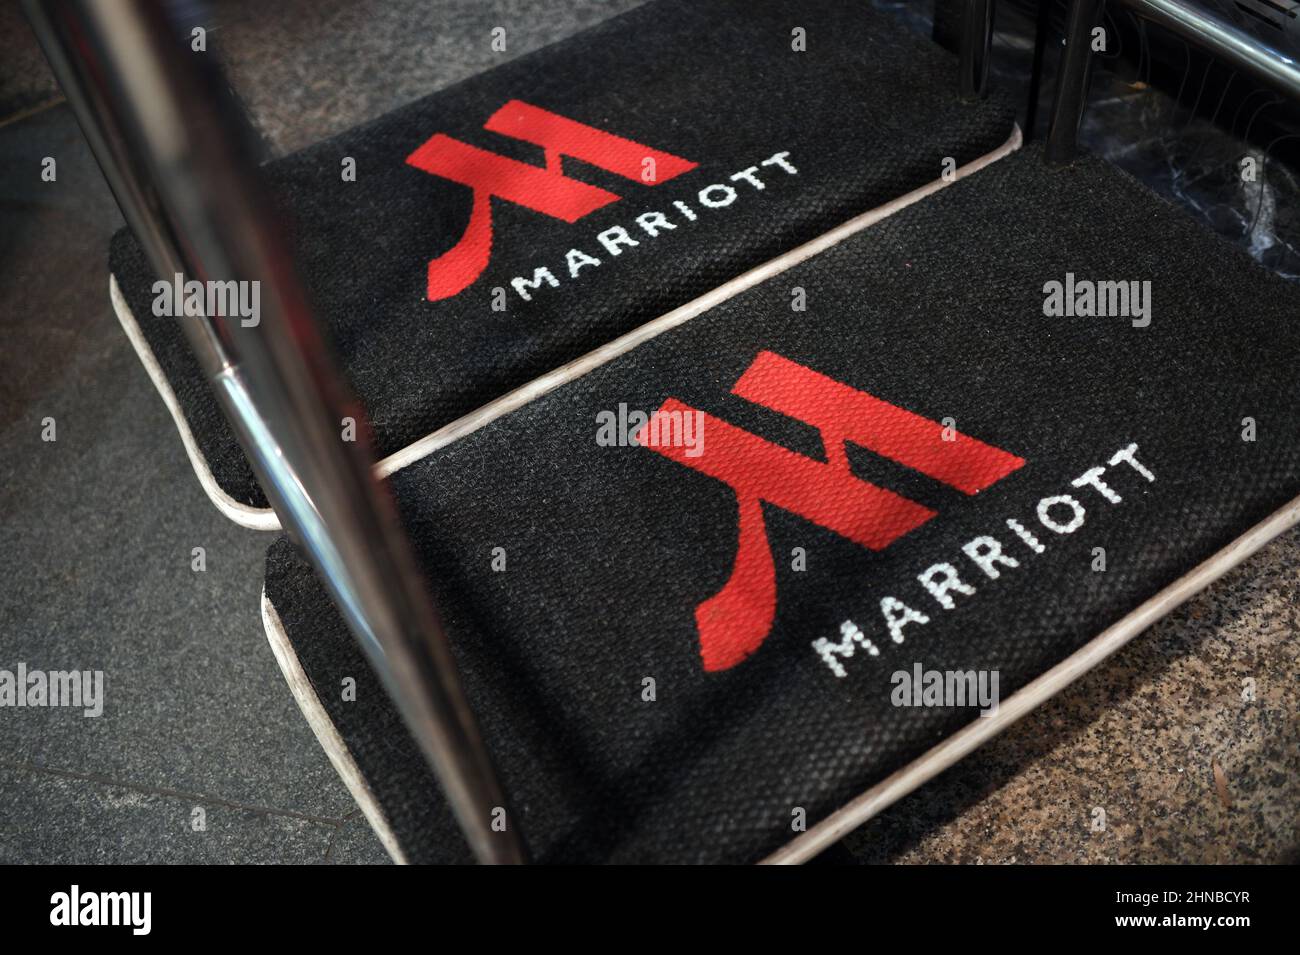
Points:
x=162 y=126
x=976 y=44
x=1072 y=81
x=1042 y=27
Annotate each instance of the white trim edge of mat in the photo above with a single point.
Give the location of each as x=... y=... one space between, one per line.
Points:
x=1042 y=688
x=328 y=737
x=265 y=519
x=888 y=791
x=256 y=518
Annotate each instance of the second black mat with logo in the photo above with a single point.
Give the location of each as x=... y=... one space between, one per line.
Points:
x=683 y=586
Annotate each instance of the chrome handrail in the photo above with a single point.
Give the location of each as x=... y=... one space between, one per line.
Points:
x=164 y=128
x=1201 y=27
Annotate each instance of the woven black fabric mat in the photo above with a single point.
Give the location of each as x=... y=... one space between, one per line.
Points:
x=1122 y=437
x=691 y=136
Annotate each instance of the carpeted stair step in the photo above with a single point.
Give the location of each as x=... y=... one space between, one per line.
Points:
x=948 y=461
x=485 y=235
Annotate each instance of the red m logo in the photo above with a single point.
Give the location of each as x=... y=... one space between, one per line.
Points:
x=734 y=622
x=547 y=190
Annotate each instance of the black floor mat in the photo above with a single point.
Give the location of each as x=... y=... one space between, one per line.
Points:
x=692 y=136
x=1064 y=467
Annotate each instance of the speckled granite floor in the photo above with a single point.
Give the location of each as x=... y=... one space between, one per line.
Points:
x=1120 y=767
x=197 y=715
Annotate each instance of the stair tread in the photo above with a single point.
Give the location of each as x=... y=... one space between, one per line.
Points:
x=866 y=114
x=939 y=311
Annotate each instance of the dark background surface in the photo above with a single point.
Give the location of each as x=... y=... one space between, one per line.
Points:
x=96 y=532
